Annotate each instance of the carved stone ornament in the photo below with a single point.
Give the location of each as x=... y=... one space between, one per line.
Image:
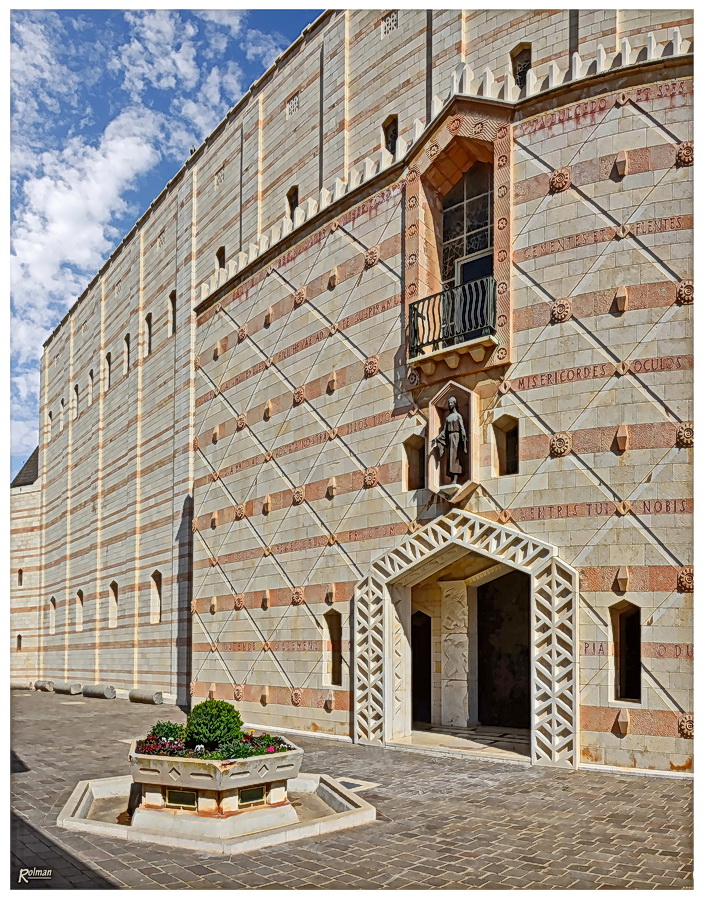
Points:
x=477 y=128
x=213 y=561
x=686 y=725
x=502 y=161
x=372 y=256
x=269 y=362
x=215 y=476
x=684 y=292
x=502 y=223
x=622 y=368
x=413 y=376
x=504 y=387
x=268 y=456
x=412 y=290
x=241 y=421
x=502 y=191
x=504 y=516
x=455 y=124
x=268 y=551
x=560 y=444
x=194 y=606
x=502 y=255
x=371 y=366
x=502 y=320
x=502 y=353
x=197 y=362
x=298 y=495
x=299 y=296
x=196 y=443
x=684 y=154
x=239 y=601
x=684 y=434
x=412 y=261
x=412 y=229
x=194 y=527
x=502 y=132
x=239 y=511
x=331 y=540
x=296 y=697
x=298 y=395
x=370 y=477
x=433 y=150
x=623 y=508
x=297 y=596
x=412 y=176
x=237 y=692
x=332 y=434
x=191 y=688
x=685 y=580
x=412 y=202
x=559 y=181
x=242 y=333
x=266 y=646
x=561 y=311
x=502 y=287
x=622 y=232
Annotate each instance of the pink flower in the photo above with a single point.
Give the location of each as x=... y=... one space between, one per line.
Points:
x=270 y=749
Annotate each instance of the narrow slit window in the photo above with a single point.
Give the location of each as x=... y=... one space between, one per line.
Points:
x=148 y=335
x=76 y=401
x=390 y=134
x=292 y=201
x=18 y=642
x=91 y=384
x=627 y=634
x=113 y=605
x=108 y=370
x=79 y=611
x=220 y=258
x=415 y=466
x=155 y=598
x=172 y=305
x=333 y=622
x=52 y=615
x=20 y=577
x=507 y=446
x=127 y=353
x=49 y=423
x=62 y=409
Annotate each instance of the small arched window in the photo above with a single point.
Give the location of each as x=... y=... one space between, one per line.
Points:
x=20 y=577
x=113 y=604
x=467 y=228
x=155 y=598
x=292 y=201
x=172 y=310
x=76 y=401
x=91 y=384
x=79 y=611
x=126 y=359
x=627 y=641
x=220 y=257
x=333 y=654
x=390 y=134
x=52 y=615
x=415 y=465
x=18 y=642
x=506 y=457
x=49 y=423
x=62 y=409
x=521 y=59
x=108 y=370
x=147 y=324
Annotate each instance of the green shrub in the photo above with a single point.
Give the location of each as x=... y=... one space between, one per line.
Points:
x=212 y=723
x=167 y=730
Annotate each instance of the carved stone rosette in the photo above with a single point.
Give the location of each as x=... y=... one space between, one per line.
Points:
x=559 y=181
x=371 y=366
x=239 y=602
x=684 y=580
x=684 y=154
x=299 y=296
x=455 y=124
x=239 y=511
x=237 y=692
x=296 y=697
x=196 y=443
x=241 y=421
x=194 y=527
x=298 y=395
x=684 y=434
x=561 y=311
x=372 y=256
x=413 y=376
x=684 y=292
x=370 y=477
x=686 y=725
x=297 y=596
x=560 y=444
x=242 y=333
x=298 y=495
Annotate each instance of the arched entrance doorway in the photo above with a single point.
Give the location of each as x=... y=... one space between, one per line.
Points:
x=383 y=626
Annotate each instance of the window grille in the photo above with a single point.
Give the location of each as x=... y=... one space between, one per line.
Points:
x=389 y=22
x=522 y=63
x=293 y=104
x=161 y=238
x=220 y=176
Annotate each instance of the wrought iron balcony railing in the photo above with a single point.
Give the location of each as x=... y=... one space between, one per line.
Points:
x=452 y=317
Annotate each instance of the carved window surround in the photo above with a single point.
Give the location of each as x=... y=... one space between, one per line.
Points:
x=469 y=130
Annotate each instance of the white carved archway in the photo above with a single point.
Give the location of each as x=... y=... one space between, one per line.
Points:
x=381 y=677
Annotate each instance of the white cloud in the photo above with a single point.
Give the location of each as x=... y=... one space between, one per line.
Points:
x=231 y=19
x=262 y=47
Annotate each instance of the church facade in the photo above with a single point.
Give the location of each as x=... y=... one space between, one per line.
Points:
x=378 y=424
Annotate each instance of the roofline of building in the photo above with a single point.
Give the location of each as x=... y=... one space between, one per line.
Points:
x=192 y=159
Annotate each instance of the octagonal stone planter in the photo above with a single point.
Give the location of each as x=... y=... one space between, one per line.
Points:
x=214 y=774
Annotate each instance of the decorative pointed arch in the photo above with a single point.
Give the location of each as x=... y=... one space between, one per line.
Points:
x=380 y=669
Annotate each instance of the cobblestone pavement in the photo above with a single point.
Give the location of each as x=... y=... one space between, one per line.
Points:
x=442 y=823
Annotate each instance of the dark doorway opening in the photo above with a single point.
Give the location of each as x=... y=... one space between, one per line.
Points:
x=421 y=644
x=504 y=651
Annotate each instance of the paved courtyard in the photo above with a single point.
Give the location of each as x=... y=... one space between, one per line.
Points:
x=442 y=823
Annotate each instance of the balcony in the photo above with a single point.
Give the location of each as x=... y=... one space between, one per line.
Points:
x=456 y=321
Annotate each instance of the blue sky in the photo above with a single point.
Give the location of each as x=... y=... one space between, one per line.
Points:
x=105 y=106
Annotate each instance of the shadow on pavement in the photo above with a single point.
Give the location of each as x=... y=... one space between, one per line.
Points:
x=33 y=850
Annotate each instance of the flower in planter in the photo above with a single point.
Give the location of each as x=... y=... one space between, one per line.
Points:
x=270 y=749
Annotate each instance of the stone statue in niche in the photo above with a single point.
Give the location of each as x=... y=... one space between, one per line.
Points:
x=452 y=439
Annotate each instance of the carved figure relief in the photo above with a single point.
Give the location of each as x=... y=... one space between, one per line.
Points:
x=452 y=440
